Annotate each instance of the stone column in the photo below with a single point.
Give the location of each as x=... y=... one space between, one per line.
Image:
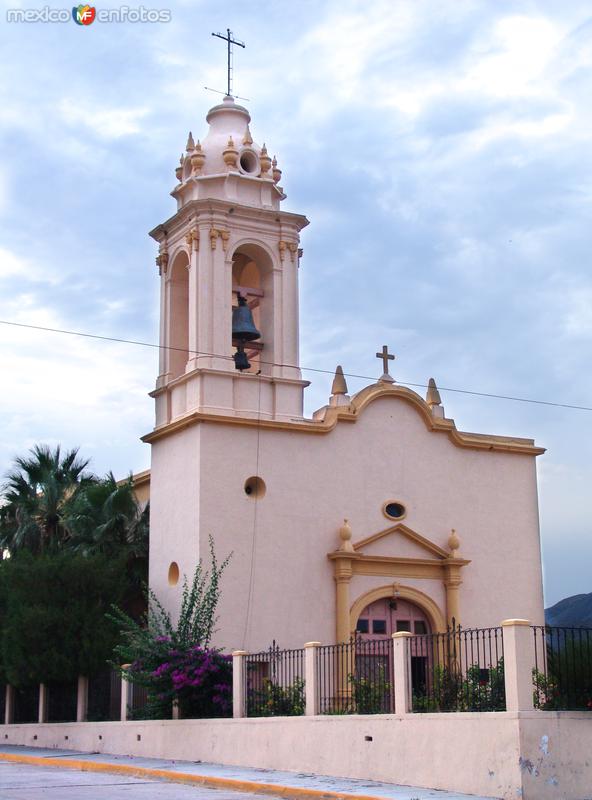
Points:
x=452 y=583
x=43 y=697
x=163 y=361
x=193 y=241
x=239 y=667
x=126 y=695
x=221 y=298
x=82 y=699
x=343 y=574
x=9 y=705
x=518 y=663
x=311 y=678
x=402 y=672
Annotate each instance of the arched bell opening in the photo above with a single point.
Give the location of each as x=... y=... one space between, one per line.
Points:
x=251 y=279
x=178 y=315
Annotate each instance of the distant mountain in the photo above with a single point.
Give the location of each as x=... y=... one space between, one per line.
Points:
x=575 y=611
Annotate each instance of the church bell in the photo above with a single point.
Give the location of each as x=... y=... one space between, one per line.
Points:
x=243 y=330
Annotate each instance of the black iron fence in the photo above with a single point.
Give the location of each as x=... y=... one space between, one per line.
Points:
x=26 y=704
x=62 y=701
x=460 y=670
x=2 y=703
x=562 y=671
x=104 y=696
x=274 y=683
x=138 y=698
x=355 y=677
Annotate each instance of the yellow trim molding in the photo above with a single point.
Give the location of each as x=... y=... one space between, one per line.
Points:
x=351 y=413
x=437 y=564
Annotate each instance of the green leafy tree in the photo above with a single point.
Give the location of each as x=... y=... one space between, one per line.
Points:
x=37 y=497
x=55 y=626
x=105 y=518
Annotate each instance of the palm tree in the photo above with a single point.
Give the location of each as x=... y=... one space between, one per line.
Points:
x=106 y=518
x=37 y=497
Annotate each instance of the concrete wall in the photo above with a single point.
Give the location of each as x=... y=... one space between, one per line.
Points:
x=533 y=755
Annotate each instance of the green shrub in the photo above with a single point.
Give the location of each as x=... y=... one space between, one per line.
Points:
x=54 y=626
x=274 y=700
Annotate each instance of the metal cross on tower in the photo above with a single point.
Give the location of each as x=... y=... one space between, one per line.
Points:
x=230 y=41
x=386 y=357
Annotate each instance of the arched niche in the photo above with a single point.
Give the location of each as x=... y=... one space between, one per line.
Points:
x=252 y=276
x=178 y=315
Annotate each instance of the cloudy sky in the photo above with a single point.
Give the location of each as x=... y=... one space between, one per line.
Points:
x=441 y=151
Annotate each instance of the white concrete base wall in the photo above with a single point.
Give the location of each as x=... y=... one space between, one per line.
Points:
x=529 y=755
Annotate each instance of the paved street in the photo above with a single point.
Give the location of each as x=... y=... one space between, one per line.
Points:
x=24 y=782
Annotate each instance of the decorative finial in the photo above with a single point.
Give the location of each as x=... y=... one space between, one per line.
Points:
x=433 y=395
x=453 y=543
x=386 y=377
x=179 y=170
x=339 y=385
x=265 y=161
x=190 y=143
x=434 y=400
x=198 y=158
x=339 y=395
x=275 y=170
x=247 y=138
x=345 y=534
x=230 y=155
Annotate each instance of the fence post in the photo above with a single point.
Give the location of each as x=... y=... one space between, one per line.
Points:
x=311 y=678
x=518 y=663
x=82 y=699
x=239 y=666
x=402 y=672
x=175 y=714
x=42 y=717
x=126 y=695
x=9 y=705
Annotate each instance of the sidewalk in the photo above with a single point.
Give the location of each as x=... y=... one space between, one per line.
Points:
x=217 y=776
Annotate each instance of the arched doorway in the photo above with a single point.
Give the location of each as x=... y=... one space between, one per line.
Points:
x=378 y=621
x=390 y=615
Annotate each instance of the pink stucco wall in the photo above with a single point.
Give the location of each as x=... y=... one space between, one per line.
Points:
x=279 y=584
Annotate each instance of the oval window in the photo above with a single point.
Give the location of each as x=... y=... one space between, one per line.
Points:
x=394 y=510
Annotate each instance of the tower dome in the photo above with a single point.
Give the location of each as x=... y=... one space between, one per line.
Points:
x=228 y=150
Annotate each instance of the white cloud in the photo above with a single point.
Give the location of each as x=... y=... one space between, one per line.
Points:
x=107 y=123
x=578 y=317
x=512 y=61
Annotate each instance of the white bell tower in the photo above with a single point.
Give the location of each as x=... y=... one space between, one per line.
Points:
x=228 y=237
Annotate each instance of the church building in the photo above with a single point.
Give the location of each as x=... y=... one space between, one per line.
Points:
x=375 y=515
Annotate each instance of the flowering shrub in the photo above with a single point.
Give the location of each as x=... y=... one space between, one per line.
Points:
x=198 y=679
x=177 y=664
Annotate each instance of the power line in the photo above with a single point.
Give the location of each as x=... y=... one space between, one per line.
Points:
x=275 y=364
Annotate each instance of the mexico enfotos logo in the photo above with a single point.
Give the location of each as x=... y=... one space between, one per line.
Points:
x=85 y=15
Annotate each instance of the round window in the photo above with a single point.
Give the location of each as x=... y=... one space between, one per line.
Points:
x=394 y=510
x=255 y=487
x=249 y=162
